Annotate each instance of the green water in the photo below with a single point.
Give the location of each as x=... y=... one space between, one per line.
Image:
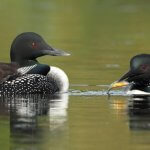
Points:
x=101 y=35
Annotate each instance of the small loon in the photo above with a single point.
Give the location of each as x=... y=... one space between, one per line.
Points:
x=25 y=75
x=137 y=79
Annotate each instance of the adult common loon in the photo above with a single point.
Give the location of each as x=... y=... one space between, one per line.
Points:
x=137 y=79
x=25 y=74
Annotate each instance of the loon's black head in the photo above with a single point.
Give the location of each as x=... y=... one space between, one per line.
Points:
x=139 y=72
x=29 y=45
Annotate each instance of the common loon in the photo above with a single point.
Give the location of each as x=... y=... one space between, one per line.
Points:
x=137 y=79
x=25 y=75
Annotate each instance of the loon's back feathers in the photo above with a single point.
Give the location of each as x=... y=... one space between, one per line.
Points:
x=29 y=84
x=32 y=79
x=26 y=80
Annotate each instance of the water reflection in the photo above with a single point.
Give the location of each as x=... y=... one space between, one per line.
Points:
x=58 y=111
x=33 y=117
x=137 y=109
x=139 y=113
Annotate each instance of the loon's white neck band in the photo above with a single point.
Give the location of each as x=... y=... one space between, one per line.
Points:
x=60 y=77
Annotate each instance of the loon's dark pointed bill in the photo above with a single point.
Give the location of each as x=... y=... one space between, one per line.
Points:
x=55 y=52
x=126 y=76
x=131 y=74
x=122 y=81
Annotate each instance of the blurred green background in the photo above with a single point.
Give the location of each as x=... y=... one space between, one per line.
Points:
x=101 y=35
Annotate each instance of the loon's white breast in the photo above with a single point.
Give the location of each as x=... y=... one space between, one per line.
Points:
x=60 y=77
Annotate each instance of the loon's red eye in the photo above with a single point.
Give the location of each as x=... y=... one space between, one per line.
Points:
x=34 y=45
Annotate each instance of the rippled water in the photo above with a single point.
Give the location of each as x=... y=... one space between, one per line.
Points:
x=101 y=35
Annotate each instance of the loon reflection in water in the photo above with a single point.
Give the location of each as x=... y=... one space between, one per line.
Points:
x=139 y=113
x=137 y=108
x=26 y=111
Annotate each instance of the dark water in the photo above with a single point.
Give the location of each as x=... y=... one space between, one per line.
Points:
x=101 y=35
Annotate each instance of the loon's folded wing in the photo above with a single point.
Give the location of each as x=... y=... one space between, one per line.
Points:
x=8 y=71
